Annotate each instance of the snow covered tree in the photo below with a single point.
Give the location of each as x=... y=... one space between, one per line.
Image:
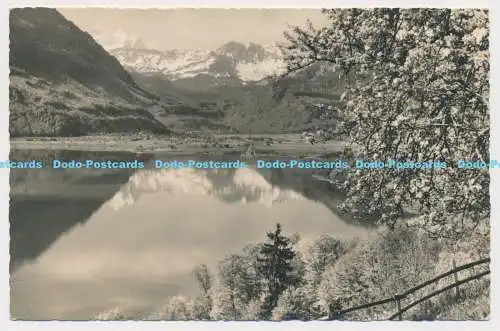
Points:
x=350 y=281
x=238 y=285
x=201 y=307
x=297 y=303
x=388 y=264
x=417 y=90
x=202 y=275
x=178 y=308
x=114 y=314
x=322 y=253
x=276 y=265
x=202 y=304
x=226 y=304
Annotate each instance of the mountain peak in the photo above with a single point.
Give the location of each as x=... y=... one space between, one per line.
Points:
x=240 y=52
x=135 y=43
x=118 y=39
x=232 y=46
x=233 y=63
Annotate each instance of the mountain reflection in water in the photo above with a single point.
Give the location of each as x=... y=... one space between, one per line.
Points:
x=140 y=234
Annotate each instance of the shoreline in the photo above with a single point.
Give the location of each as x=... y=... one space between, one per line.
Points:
x=285 y=143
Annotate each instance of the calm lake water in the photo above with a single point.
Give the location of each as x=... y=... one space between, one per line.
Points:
x=86 y=241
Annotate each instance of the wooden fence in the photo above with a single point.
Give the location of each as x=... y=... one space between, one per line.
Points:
x=397 y=299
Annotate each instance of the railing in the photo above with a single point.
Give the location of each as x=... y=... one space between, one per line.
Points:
x=399 y=297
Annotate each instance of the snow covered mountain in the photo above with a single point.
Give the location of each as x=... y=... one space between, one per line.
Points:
x=231 y=64
x=118 y=39
x=241 y=185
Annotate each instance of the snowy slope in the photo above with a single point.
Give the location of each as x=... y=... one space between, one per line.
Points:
x=174 y=63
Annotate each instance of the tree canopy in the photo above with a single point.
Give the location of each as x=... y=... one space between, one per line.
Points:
x=417 y=90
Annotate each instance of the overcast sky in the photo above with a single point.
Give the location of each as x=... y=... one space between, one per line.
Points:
x=193 y=28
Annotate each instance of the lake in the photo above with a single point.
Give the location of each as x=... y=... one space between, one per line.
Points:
x=86 y=241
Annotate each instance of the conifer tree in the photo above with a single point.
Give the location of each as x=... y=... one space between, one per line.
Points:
x=275 y=265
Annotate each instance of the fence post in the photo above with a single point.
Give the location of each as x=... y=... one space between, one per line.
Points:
x=334 y=310
x=455 y=277
x=397 y=300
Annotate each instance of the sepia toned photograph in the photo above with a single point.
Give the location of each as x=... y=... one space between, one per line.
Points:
x=214 y=164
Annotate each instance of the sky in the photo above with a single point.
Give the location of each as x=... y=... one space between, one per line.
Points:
x=187 y=28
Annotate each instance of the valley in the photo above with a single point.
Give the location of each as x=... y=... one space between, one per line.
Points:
x=83 y=85
x=201 y=143
x=234 y=88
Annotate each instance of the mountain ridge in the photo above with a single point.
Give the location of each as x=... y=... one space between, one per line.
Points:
x=63 y=83
x=231 y=88
x=233 y=63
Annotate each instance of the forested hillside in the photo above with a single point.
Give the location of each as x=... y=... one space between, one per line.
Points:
x=62 y=83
